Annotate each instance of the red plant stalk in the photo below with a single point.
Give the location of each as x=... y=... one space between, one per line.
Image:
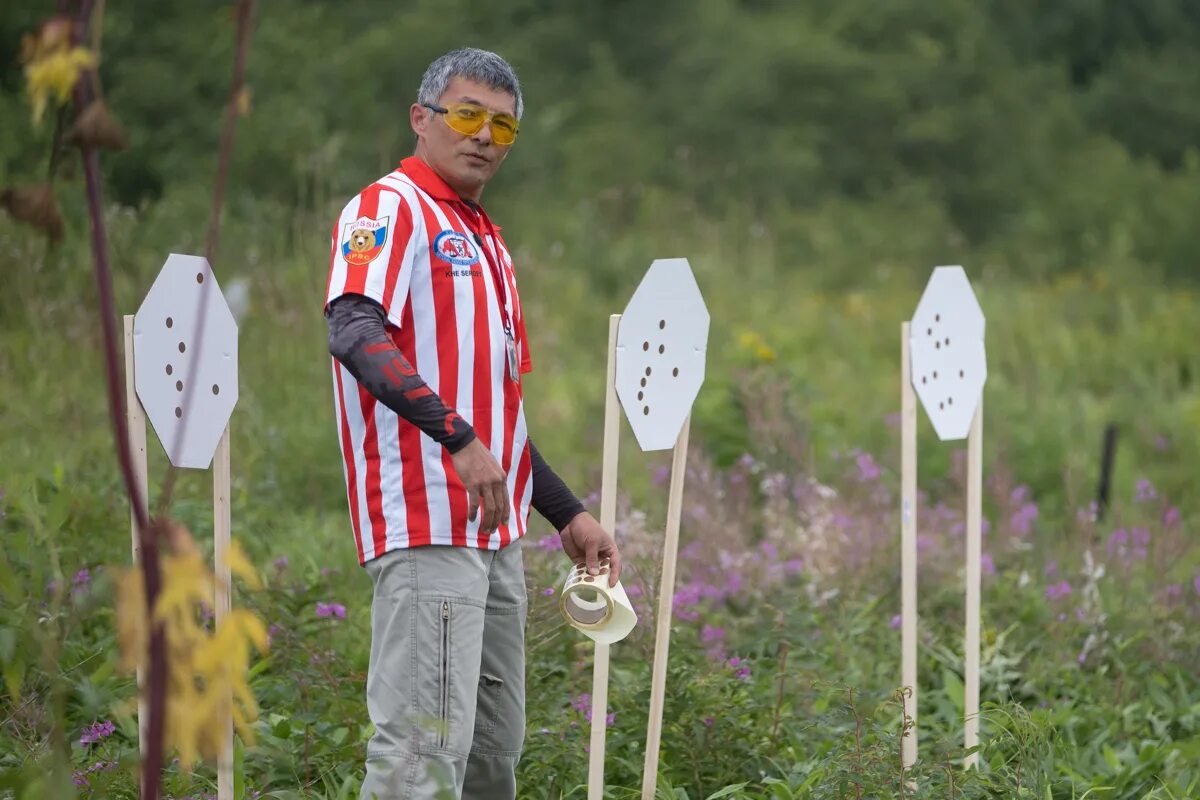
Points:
x=151 y=575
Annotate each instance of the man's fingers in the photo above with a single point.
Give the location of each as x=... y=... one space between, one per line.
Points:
x=591 y=557
x=614 y=567
x=472 y=504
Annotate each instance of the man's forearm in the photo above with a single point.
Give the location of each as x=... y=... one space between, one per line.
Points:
x=551 y=497
x=358 y=339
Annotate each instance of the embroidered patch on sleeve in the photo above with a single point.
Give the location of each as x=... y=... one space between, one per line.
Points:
x=363 y=240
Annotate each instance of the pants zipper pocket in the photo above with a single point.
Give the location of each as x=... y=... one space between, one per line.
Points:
x=445 y=682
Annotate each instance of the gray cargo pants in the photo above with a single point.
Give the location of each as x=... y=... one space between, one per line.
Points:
x=446 y=680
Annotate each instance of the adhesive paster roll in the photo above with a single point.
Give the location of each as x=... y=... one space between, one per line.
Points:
x=602 y=612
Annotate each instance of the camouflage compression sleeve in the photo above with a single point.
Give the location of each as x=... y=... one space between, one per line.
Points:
x=358 y=339
x=551 y=497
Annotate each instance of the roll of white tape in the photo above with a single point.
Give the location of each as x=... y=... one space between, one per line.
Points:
x=602 y=612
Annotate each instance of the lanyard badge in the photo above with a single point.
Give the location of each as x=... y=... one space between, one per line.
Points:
x=510 y=345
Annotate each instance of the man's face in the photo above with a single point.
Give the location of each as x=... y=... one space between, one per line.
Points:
x=467 y=163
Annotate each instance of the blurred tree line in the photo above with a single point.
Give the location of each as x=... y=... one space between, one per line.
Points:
x=1046 y=136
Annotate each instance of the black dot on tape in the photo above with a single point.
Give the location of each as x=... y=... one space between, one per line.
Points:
x=647 y=372
x=182 y=347
x=941 y=406
x=179 y=386
x=643 y=382
x=949 y=401
x=662 y=323
x=170 y=369
x=929 y=331
x=662 y=348
x=675 y=372
x=961 y=374
x=178 y=411
x=937 y=345
x=216 y=389
x=645 y=346
x=199 y=277
x=641 y=395
x=937 y=317
x=935 y=374
x=170 y=322
x=646 y=410
x=947 y=341
x=924 y=379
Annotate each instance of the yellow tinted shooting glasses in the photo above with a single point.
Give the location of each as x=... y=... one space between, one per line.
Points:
x=468 y=119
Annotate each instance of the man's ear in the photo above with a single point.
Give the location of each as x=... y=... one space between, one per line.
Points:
x=418 y=118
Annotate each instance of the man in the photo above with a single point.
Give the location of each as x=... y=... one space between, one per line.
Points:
x=429 y=347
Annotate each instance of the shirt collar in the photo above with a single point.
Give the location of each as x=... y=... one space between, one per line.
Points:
x=433 y=185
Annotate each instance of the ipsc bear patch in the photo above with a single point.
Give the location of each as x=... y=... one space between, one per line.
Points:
x=363 y=240
x=455 y=248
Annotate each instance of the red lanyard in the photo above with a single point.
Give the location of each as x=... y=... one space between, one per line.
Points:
x=497 y=270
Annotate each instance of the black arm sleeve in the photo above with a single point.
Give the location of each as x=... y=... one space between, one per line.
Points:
x=551 y=497
x=358 y=338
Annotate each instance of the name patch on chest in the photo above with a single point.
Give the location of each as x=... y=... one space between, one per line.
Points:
x=455 y=248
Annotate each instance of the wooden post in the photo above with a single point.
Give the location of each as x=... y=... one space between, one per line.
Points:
x=135 y=417
x=221 y=532
x=908 y=541
x=666 y=595
x=608 y=521
x=974 y=556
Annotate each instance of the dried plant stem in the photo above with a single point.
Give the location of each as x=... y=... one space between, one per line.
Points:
x=224 y=160
x=151 y=576
x=783 y=657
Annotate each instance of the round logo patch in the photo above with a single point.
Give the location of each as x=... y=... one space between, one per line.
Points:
x=455 y=248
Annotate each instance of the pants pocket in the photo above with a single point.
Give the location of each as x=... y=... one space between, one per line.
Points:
x=445 y=649
x=488 y=703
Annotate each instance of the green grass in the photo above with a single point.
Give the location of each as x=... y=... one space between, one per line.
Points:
x=803 y=374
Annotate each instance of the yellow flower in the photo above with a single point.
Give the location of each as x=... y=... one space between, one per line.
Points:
x=207 y=671
x=754 y=344
x=52 y=65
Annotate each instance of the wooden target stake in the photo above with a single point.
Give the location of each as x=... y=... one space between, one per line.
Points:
x=666 y=596
x=608 y=521
x=908 y=543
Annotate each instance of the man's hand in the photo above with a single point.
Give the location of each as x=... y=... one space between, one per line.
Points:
x=586 y=543
x=486 y=483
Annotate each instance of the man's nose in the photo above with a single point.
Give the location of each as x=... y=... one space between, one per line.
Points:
x=484 y=134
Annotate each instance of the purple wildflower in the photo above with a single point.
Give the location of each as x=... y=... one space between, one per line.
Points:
x=769 y=550
x=896 y=621
x=82 y=578
x=281 y=563
x=1170 y=517
x=1145 y=490
x=1023 y=518
x=709 y=722
x=1141 y=541
x=1057 y=590
x=1019 y=495
x=987 y=564
x=331 y=610
x=868 y=470
x=1117 y=542
x=742 y=673
x=582 y=703
x=95 y=732
x=609 y=719
x=661 y=475
x=550 y=544
x=710 y=634
x=548 y=591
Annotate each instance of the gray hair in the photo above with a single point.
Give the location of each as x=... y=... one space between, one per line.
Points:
x=477 y=65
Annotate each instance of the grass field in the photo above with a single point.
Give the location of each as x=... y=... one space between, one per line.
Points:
x=785 y=655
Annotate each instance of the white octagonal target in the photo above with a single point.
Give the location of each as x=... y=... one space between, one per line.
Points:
x=662 y=341
x=949 y=362
x=185 y=360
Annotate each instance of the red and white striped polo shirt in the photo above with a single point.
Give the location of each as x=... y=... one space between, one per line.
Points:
x=445 y=278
